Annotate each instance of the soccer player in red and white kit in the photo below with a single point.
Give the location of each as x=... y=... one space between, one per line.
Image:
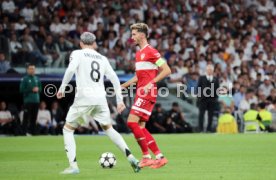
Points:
x=150 y=69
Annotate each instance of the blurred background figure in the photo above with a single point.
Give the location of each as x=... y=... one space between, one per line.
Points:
x=227 y=123
x=4 y=64
x=90 y=127
x=175 y=122
x=265 y=118
x=57 y=118
x=207 y=97
x=5 y=119
x=30 y=87
x=43 y=120
x=157 y=122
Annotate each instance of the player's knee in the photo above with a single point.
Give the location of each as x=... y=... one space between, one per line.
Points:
x=68 y=128
x=132 y=125
x=106 y=127
x=142 y=124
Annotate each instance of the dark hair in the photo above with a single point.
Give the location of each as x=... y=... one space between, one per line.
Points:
x=253 y=106
x=175 y=104
x=262 y=105
x=157 y=105
x=29 y=64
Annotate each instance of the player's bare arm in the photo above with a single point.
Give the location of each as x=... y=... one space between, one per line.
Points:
x=164 y=71
x=129 y=82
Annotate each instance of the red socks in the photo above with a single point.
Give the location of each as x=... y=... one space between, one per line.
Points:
x=139 y=136
x=151 y=142
x=144 y=138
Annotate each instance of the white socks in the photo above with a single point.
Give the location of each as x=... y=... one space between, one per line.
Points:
x=147 y=156
x=159 y=156
x=70 y=146
x=118 y=140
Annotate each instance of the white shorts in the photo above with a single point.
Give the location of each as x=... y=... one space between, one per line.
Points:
x=100 y=113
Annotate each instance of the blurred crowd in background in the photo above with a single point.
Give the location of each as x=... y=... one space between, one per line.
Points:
x=237 y=36
x=50 y=120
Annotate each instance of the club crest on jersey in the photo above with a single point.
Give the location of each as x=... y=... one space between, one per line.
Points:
x=143 y=56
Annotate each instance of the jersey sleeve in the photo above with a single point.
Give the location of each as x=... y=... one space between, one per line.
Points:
x=112 y=76
x=155 y=57
x=73 y=65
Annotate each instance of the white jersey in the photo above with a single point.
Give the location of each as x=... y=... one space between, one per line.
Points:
x=89 y=68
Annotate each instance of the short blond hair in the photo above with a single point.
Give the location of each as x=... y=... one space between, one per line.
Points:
x=140 y=27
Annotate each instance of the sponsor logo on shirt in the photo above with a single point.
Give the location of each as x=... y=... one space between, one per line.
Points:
x=143 y=56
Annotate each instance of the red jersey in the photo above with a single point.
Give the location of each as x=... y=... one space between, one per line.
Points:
x=146 y=71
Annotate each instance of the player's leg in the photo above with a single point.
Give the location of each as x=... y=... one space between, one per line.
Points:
x=133 y=124
x=145 y=112
x=69 y=141
x=160 y=159
x=101 y=114
x=150 y=140
x=70 y=148
x=117 y=139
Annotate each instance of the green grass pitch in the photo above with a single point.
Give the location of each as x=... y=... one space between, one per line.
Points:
x=191 y=156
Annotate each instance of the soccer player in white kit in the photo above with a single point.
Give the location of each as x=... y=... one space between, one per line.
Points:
x=89 y=68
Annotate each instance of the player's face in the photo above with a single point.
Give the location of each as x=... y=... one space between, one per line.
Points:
x=136 y=36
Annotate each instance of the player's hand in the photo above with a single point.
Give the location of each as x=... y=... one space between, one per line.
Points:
x=60 y=95
x=147 y=88
x=35 y=89
x=120 y=107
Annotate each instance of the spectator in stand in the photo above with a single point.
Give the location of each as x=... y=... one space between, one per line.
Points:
x=56 y=27
x=28 y=13
x=57 y=118
x=4 y=64
x=226 y=100
x=17 y=53
x=246 y=101
x=4 y=42
x=175 y=122
x=20 y=25
x=175 y=78
x=50 y=49
x=43 y=120
x=5 y=119
x=34 y=54
x=157 y=123
x=266 y=87
x=40 y=36
x=239 y=95
x=63 y=49
x=8 y=6
x=272 y=96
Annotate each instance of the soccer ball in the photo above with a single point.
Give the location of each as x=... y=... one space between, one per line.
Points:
x=107 y=160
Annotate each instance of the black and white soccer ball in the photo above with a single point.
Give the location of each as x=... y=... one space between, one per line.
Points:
x=107 y=160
